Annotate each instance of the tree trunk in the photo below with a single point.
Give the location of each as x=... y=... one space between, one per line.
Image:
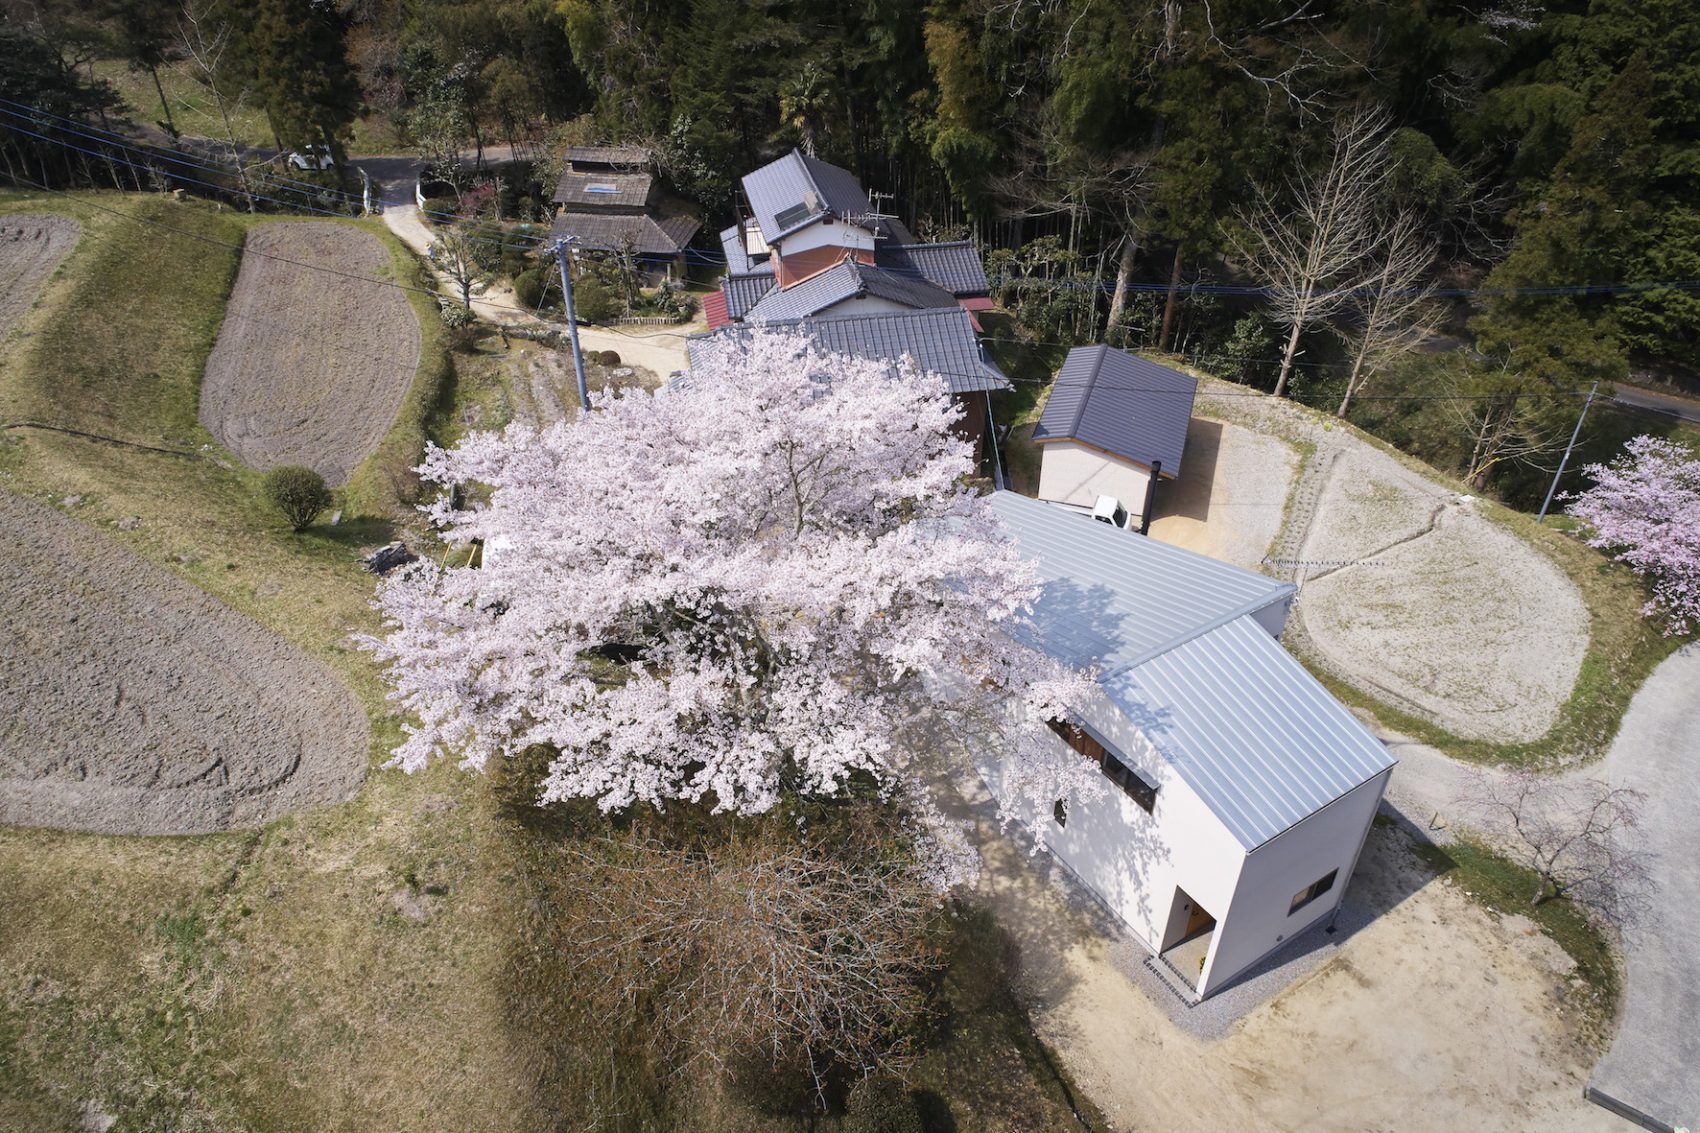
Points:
x=1124 y=276
x=1170 y=303
x=170 y=125
x=1352 y=379
x=1287 y=358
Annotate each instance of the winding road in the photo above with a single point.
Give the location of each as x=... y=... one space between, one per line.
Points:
x=1652 y=1071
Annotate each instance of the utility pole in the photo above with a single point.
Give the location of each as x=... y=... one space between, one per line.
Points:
x=365 y=192
x=1565 y=459
x=572 y=319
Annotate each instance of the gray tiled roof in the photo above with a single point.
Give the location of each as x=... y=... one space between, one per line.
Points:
x=738 y=261
x=956 y=266
x=610 y=232
x=1125 y=405
x=1178 y=651
x=745 y=291
x=847 y=280
x=608 y=155
x=796 y=179
x=629 y=190
x=941 y=341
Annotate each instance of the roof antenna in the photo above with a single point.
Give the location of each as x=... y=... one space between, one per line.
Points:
x=879 y=230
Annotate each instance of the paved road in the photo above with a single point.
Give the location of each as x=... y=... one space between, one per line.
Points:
x=1653 y=1066
x=1687 y=408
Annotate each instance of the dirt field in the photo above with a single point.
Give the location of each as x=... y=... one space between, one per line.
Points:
x=130 y=702
x=310 y=367
x=31 y=246
x=1437 y=607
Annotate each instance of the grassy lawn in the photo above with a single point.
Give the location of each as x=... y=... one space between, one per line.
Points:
x=194 y=112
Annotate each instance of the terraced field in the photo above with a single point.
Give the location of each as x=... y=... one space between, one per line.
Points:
x=314 y=357
x=133 y=703
x=31 y=246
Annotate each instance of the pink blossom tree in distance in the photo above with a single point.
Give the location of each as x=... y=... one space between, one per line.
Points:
x=744 y=584
x=1645 y=508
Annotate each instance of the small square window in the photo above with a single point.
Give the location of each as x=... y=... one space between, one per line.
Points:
x=1059 y=811
x=1312 y=891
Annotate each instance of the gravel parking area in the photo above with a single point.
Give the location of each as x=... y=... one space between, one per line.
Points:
x=1228 y=500
x=31 y=246
x=133 y=703
x=310 y=366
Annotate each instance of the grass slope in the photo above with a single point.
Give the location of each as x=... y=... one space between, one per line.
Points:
x=335 y=971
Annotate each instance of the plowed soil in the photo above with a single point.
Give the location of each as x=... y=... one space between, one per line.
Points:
x=132 y=703
x=310 y=365
x=31 y=246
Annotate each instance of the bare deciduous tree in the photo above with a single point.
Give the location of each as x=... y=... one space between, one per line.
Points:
x=201 y=44
x=1505 y=417
x=452 y=254
x=1569 y=832
x=1305 y=246
x=1393 y=308
x=794 y=955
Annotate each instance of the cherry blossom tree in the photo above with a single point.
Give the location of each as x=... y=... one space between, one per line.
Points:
x=1645 y=507
x=741 y=585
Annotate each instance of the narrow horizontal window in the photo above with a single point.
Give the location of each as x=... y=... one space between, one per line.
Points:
x=1312 y=891
x=1077 y=738
x=1131 y=781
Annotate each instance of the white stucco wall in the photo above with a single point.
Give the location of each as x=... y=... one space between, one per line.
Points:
x=1134 y=861
x=820 y=235
x=1072 y=473
x=1258 y=921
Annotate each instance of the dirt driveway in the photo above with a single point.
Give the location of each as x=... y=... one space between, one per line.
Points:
x=1228 y=500
x=1435 y=1016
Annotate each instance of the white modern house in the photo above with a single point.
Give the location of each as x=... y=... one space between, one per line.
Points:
x=1240 y=792
x=1114 y=425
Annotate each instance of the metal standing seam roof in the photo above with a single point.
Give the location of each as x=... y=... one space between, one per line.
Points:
x=797 y=179
x=940 y=341
x=847 y=280
x=1178 y=651
x=1110 y=399
x=955 y=266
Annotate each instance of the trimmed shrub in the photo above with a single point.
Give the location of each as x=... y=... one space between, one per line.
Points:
x=529 y=287
x=594 y=301
x=608 y=357
x=881 y=1105
x=299 y=493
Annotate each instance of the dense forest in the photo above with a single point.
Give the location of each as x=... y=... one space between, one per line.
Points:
x=1490 y=204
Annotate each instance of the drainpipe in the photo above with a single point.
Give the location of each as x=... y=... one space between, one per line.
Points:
x=1150 y=498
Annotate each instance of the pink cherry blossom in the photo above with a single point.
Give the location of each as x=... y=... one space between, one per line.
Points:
x=1645 y=507
x=741 y=585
